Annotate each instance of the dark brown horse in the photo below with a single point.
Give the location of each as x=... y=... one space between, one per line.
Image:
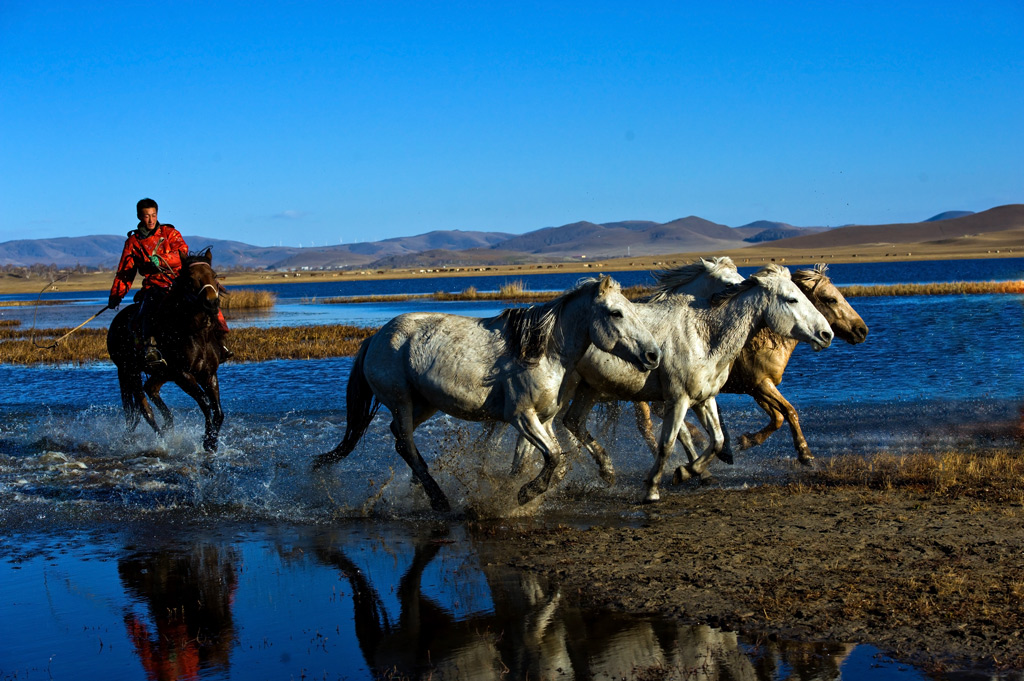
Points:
x=185 y=326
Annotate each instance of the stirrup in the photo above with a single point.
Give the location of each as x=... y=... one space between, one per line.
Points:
x=153 y=358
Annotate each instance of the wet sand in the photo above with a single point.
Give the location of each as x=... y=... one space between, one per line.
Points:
x=936 y=582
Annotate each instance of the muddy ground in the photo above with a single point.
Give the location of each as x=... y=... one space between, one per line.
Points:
x=933 y=581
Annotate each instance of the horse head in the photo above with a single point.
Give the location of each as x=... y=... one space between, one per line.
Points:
x=616 y=328
x=701 y=278
x=824 y=295
x=788 y=311
x=197 y=281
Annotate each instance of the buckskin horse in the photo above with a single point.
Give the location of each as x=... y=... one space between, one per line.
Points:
x=188 y=340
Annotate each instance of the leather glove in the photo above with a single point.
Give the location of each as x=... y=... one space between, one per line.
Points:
x=114 y=301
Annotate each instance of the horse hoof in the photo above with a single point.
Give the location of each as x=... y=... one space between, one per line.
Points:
x=726 y=456
x=806 y=460
x=608 y=475
x=652 y=497
x=746 y=442
x=440 y=505
x=680 y=476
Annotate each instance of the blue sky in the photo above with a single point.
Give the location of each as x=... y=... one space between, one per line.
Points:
x=316 y=123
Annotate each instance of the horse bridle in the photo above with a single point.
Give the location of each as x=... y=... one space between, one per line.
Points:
x=205 y=286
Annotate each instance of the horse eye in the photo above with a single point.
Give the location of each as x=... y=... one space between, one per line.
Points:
x=792 y=301
x=617 y=314
x=829 y=301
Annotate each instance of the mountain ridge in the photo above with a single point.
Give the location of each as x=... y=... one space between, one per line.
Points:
x=572 y=241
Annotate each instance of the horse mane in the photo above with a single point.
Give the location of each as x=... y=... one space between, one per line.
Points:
x=527 y=330
x=730 y=292
x=807 y=280
x=667 y=281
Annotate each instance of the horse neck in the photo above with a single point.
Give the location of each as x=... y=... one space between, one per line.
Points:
x=733 y=324
x=570 y=339
x=182 y=315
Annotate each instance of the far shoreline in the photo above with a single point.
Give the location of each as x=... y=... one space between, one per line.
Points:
x=100 y=281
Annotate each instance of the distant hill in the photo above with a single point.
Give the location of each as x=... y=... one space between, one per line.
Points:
x=691 y=234
x=949 y=215
x=993 y=220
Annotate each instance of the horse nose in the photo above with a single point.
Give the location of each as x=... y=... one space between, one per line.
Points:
x=860 y=332
x=826 y=337
x=652 y=358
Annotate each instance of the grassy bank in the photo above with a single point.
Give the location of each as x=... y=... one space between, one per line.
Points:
x=518 y=293
x=248 y=343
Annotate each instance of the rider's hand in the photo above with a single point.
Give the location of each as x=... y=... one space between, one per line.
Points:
x=114 y=301
x=155 y=260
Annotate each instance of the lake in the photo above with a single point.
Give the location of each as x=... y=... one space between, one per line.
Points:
x=329 y=575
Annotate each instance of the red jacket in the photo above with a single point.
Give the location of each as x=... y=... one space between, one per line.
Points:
x=164 y=242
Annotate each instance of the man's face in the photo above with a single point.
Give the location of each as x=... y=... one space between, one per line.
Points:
x=148 y=218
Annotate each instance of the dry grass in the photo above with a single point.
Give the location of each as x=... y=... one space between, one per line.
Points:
x=516 y=292
x=85 y=345
x=249 y=344
x=27 y=303
x=9 y=322
x=247 y=300
x=302 y=342
x=992 y=475
x=948 y=288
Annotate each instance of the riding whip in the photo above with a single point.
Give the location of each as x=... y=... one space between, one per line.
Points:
x=35 y=312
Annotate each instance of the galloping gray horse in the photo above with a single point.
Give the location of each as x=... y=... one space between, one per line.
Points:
x=700 y=341
x=517 y=367
x=700 y=279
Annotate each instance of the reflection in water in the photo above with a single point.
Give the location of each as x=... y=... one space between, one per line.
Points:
x=188 y=596
x=362 y=600
x=532 y=632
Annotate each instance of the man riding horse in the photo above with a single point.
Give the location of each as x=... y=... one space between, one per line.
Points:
x=155 y=251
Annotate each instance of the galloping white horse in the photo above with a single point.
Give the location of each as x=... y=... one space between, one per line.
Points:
x=516 y=367
x=700 y=279
x=700 y=341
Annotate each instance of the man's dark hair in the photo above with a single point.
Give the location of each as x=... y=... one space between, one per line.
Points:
x=145 y=203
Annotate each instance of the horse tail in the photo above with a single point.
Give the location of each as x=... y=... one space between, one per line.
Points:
x=131 y=386
x=361 y=405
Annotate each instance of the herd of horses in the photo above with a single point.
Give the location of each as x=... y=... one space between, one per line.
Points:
x=705 y=329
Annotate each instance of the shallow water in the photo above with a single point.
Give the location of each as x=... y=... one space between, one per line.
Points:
x=89 y=514
x=188 y=600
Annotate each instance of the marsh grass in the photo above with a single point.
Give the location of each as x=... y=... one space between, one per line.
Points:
x=513 y=292
x=516 y=292
x=990 y=475
x=27 y=303
x=939 y=289
x=8 y=323
x=248 y=343
x=247 y=300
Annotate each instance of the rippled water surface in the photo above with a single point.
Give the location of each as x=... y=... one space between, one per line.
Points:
x=285 y=572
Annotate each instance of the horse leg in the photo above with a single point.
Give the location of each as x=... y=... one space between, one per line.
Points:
x=764 y=393
x=575 y=421
x=707 y=412
x=403 y=424
x=213 y=424
x=192 y=388
x=726 y=454
x=772 y=401
x=152 y=388
x=642 y=413
x=675 y=412
x=543 y=439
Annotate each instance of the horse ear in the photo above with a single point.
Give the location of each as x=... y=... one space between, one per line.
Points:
x=207 y=255
x=605 y=284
